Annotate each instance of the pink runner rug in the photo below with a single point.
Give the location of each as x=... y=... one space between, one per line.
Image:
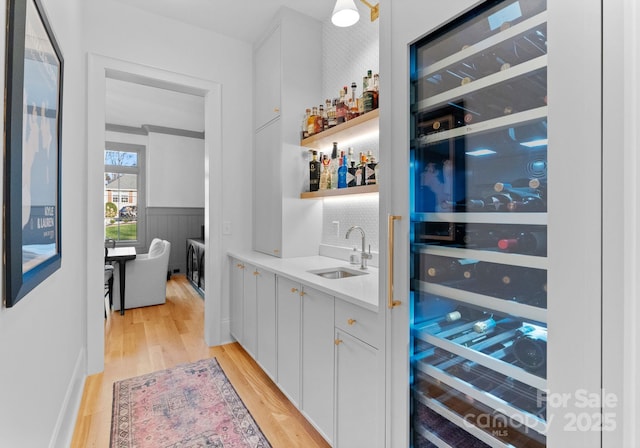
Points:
x=191 y=405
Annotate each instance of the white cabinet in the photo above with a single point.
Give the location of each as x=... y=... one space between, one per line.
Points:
x=288 y=338
x=359 y=373
x=317 y=359
x=267 y=198
x=285 y=225
x=253 y=312
x=236 y=287
x=249 y=310
x=267 y=63
x=266 y=321
x=358 y=395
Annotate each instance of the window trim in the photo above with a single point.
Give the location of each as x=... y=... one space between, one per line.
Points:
x=140 y=171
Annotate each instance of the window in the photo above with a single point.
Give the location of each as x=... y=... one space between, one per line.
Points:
x=123 y=192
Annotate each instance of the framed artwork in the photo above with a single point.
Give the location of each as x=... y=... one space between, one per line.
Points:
x=32 y=150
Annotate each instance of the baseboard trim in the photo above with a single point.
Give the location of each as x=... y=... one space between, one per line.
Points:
x=66 y=422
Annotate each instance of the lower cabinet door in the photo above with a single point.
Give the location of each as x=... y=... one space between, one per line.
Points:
x=250 y=311
x=266 y=289
x=318 y=359
x=358 y=394
x=289 y=338
x=236 y=292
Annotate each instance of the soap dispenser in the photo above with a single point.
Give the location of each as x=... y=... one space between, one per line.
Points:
x=355 y=257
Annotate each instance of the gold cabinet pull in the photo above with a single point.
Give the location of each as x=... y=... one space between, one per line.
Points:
x=390 y=248
x=351 y=321
x=276 y=109
x=338 y=341
x=294 y=289
x=302 y=293
x=240 y=265
x=276 y=251
x=256 y=273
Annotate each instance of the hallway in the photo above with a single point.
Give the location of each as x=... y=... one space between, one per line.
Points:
x=159 y=337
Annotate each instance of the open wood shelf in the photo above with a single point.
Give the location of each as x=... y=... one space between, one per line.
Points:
x=356 y=126
x=339 y=192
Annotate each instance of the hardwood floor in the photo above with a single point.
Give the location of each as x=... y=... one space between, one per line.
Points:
x=160 y=337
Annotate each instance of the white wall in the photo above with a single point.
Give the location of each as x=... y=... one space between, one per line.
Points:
x=175 y=171
x=42 y=336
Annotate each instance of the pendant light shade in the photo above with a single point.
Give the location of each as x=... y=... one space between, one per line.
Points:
x=345 y=13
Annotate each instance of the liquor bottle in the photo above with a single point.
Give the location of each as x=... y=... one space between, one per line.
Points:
x=369 y=99
x=363 y=169
x=341 y=107
x=353 y=105
x=334 y=166
x=331 y=114
x=370 y=169
x=531 y=243
x=376 y=90
x=325 y=176
x=367 y=81
x=311 y=121
x=351 y=170
x=305 y=125
x=342 y=171
x=314 y=172
x=319 y=126
x=325 y=118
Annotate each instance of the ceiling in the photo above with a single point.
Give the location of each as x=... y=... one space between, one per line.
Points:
x=134 y=105
x=242 y=19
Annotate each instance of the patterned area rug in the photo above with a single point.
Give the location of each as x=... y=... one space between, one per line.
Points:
x=189 y=406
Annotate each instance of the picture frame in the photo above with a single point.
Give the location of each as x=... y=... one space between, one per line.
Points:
x=33 y=137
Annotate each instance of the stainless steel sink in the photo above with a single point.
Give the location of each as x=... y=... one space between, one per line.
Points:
x=334 y=273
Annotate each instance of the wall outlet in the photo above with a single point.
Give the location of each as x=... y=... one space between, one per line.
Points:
x=336 y=225
x=226 y=227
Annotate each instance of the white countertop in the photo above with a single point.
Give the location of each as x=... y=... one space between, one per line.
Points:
x=361 y=290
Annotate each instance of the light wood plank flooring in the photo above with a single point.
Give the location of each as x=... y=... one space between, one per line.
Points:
x=160 y=337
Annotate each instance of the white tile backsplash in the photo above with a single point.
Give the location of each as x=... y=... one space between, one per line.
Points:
x=340 y=213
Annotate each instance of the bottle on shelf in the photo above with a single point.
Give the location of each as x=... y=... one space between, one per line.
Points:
x=334 y=166
x=443 y=269
x=530 y=243
x=530 y=350
x=342 y=171
x=325 y=176
x=332 y=119
x=325 y=117
x=353 y=103
x=341 y=107
x=371 y=169
x=311 y=121
x=320 y=118
x=305 y=125
x=370 y=96
x=314 y=172
x=351 y=170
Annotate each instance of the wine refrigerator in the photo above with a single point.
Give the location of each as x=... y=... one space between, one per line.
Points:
x=478 y=229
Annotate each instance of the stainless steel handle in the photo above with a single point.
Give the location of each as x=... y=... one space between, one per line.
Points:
x=390 y=249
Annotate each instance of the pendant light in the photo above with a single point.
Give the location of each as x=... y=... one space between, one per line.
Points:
x=345 y=13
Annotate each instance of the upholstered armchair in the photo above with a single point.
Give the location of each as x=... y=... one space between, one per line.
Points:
x=146 y=277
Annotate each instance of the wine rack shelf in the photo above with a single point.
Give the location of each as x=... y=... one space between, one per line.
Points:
x=487 y=81
x=365 y=189
x=483 y=218
x=501 y=305
x=494 y=360
x=529 y=261
x=364 y=124
x=466 y=53
x=484 y=126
